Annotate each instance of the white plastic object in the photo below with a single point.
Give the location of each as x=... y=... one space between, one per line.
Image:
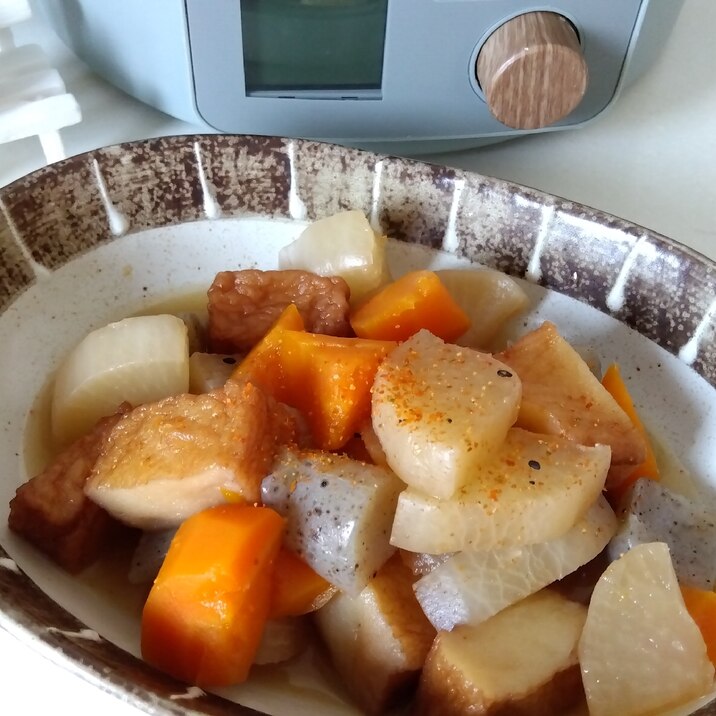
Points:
x=33 y=98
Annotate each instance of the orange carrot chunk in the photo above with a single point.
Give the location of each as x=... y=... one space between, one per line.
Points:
x=417 y=300
x=297 y=589
x=204 y=617
x=614 y=383
x=701 y=605
x=327 y=378
x=262 y=366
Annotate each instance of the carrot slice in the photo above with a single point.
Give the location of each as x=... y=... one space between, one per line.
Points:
x=262 y=366
x=290 y=318
x=416 y=300
x=701 y=605
x=206 y=612
x=614 y=383
x=297 y=589
x=327 y=378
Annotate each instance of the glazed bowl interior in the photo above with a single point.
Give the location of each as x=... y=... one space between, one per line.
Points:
x=120 y=230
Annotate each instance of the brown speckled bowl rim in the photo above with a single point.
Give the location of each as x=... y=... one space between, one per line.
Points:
x=499 y=224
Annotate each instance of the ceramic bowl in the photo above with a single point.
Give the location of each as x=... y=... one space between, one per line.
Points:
x=103 y=234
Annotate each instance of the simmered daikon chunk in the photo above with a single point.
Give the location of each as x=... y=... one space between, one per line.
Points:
x=209 y=371
x=561 y=396
x=282 y=639
x=490 y=298
x=470 y=587
x=137 y=360
x=640 y=651
x=533 y=489
x=441 y=410
x=344 y=245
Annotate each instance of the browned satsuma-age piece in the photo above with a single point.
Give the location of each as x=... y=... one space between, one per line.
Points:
x=165 y=461
x=521 y=662
x=561 y=396
x=244 y=304
x=378 y=639
x=52 y=512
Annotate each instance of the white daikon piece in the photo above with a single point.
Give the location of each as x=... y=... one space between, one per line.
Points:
x=470 y=587
x=137 y=360
x=490 y=298
x=534 y=489
x=344 y=245
x=522 y=661
x=440 y=410
x=282 y=639
x=640 y=651
x=421 y=563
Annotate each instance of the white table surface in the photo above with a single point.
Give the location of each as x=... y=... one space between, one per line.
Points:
x=651 y=159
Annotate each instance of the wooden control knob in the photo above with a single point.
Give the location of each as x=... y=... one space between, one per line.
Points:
x=532 y=71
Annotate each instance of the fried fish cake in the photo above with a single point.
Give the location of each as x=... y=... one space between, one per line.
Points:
x=164 y=461
x=243 y=305
x=52 y=512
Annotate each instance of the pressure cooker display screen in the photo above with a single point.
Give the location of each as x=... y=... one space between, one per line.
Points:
x=313 y=44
